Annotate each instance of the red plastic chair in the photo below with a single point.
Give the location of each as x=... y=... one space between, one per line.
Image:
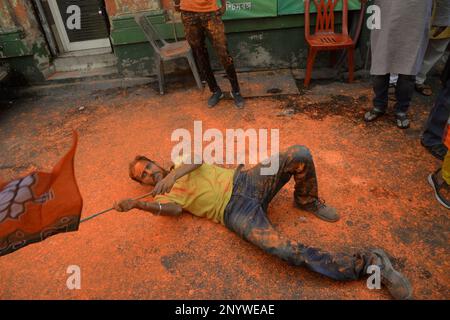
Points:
x=325 y=39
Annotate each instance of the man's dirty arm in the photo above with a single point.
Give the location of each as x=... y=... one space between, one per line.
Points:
x=166 y=184
x=159 y=209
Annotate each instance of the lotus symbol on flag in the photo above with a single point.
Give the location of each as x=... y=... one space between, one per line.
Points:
x=14 y=197
x=40 y=205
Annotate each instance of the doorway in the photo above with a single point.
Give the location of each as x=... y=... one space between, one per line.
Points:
x=80 y=25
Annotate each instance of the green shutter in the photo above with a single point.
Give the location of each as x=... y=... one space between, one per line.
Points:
x=246 y=9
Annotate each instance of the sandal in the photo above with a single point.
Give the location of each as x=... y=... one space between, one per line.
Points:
x=373 y=114
x=402 y=120
x=424 y=89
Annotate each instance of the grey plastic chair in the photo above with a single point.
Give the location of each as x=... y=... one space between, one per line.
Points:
x=166 y=51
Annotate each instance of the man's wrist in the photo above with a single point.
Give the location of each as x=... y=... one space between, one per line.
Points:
x=173 y=174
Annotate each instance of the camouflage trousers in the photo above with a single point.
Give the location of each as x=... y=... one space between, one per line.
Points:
x=198 y=26
x=246 y=215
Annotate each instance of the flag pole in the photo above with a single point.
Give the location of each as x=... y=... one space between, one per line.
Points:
x=111 y=209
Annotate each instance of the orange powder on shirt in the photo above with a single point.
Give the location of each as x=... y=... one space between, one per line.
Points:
x=199 y=5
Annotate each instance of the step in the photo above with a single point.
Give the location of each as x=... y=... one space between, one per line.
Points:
x=86 y=86
x=84 y=63
x=81 y=75
x=87 y=52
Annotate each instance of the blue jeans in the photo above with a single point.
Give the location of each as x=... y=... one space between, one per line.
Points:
x=437 y=120
x=246 y=215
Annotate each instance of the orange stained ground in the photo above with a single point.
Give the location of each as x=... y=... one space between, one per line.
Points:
x=375 y=175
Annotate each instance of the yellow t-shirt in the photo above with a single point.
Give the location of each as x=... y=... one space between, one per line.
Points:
x=199 y=5
x=205 y=192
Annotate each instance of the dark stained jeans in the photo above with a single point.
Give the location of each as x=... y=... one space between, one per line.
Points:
x=246 y=215
x=404 y=91
x=438 y=118
x=200 y=25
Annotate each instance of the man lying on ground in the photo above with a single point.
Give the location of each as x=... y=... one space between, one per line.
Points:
x=239 y=200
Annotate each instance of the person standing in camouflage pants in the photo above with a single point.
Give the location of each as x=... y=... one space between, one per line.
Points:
x=202 y=19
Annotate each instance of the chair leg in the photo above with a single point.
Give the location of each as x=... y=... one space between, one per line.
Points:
x=310 y=63
x=351 y=64
x=160 y=70
x=194 y=69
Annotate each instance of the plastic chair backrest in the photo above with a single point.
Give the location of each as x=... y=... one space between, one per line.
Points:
x=325 y=16
x=150 y=32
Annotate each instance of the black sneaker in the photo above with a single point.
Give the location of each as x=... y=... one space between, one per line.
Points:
x=438 y=150
x=238 y=99
x=321 y=210
x=441 y=190
x=215 y=98
x=397 y=284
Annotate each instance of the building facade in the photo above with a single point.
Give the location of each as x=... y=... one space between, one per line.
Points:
x=42 y=40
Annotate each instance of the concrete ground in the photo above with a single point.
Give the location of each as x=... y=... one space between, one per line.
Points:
x=374 y=174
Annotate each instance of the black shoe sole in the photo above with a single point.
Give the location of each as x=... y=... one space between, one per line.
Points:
x=436 y=194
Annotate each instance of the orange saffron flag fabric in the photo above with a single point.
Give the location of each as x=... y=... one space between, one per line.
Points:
x=40 y=205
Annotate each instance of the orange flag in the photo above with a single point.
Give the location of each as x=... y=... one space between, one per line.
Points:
x=40 y=205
